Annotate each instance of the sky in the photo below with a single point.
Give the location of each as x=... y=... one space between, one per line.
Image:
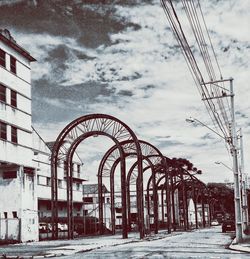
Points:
x=120 y=58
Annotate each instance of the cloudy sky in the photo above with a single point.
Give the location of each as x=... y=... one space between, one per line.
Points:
x=120 y=58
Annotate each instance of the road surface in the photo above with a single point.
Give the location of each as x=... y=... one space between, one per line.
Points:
x=205 y=243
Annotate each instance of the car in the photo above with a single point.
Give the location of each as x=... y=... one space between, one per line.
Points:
x=214 y=222
x=62 y=227
x=228 y=225
x=44 y=227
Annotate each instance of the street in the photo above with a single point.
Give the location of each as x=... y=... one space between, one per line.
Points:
x=205 y=243
x=202 y=243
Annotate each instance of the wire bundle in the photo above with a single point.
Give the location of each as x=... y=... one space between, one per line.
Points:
x=202 y=61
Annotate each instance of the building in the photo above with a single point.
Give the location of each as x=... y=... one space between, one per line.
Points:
x=17 y=173
x=41 y=161
x=91 y=204
x=25 y=174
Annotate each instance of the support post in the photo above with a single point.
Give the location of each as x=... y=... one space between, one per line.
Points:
x=155 y=199
x=183 y=201
x=195 y=207
x=124 y=199
x=129 y=205
x=100 y=205
x=237 y=194
x=203 y=210
x=112 y=202
x=162 y=205
x=172 y=196
x=243 y=185
x=168 y=200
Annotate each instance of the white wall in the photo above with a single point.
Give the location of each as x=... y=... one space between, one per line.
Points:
x=19 y=195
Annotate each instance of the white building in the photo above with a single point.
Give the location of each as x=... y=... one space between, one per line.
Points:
x=17 y=174
x=91 y=204
x=41 y=162
x=25 y=174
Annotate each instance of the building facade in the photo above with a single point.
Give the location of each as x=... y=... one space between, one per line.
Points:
x=41 y=161
x=17 y=174
x=25 y=174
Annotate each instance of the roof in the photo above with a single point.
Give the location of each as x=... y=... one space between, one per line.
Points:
x=6 y=37
x=93 y=189
x=50 y=144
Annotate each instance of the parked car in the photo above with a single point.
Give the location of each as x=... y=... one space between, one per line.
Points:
x=44 y=227
x=215 y=223
x=62 y=227
x=228 y=225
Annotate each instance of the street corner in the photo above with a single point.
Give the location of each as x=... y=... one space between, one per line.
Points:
x=242 y=247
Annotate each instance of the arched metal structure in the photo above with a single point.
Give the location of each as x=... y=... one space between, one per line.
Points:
x=176 y=177
x=66 y=143
x=159 y=166
x=132 y=178
x=107 y=169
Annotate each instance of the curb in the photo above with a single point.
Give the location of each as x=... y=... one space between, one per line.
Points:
x=149 y=238
x=29 y=256
x=237 y=247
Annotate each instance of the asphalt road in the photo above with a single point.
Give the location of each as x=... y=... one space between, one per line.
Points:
x=205 y=243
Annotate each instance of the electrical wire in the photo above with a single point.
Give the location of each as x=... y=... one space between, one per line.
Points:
x=214 y=102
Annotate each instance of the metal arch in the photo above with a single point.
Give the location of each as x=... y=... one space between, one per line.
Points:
x=101 y=123
x=157 y=162
x=129 y=148
x=107 y=168
x=132 y=173
x=69 y=175
x=163 y=172
x=182 y=184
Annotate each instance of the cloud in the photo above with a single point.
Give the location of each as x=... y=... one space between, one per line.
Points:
x=122 y=59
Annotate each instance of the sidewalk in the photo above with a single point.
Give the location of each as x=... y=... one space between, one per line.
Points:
x=242 y=247
x=56 y=248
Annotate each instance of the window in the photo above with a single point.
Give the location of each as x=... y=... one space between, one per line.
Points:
x=48 y=181
x=59 y=183
x=9 y=175
x=48 y=205
x=88 y=199
x=12 y=64
x=2 y=58
x=3 y=130
x=78 y=169
x=5 y=215
x=13 y=98
x=2 y=93
x=14 y=213
x=77 y=186
x=118 y=210
x=13 y=134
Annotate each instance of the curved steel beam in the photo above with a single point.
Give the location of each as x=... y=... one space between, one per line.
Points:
x=93 y=124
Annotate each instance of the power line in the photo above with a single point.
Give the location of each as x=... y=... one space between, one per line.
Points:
x=212 y=96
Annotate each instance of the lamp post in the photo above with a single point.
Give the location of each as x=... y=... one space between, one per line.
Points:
x=243 y=184
x=243 y=190
x=232 y=141
x=221 y=163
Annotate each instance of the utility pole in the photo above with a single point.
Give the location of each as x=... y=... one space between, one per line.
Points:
x=243 y=184
x=237 y=193
x=232 y=141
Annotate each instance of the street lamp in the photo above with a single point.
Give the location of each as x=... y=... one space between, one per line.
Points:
x=232 y=141
x=243 y=194
x=193 y=120
x=221 y=163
